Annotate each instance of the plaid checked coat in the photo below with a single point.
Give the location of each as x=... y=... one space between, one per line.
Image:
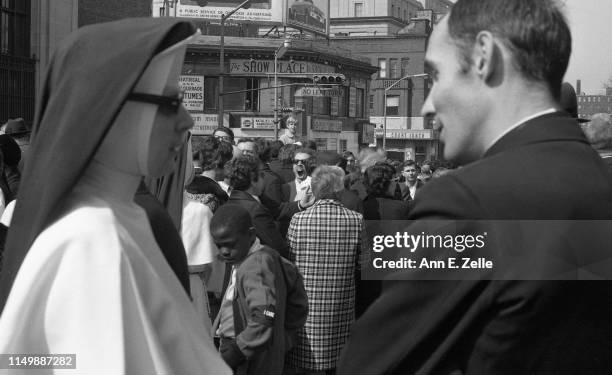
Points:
x=324 y=242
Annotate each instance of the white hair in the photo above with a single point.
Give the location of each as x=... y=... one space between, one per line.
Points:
x=327 y=181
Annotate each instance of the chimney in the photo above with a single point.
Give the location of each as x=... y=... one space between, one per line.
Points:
x=578 y=87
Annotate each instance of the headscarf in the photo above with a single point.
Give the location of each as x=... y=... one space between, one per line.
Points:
x=85 y=87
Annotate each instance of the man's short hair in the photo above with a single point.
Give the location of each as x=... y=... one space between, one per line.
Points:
x=252 y=140
x=535 y=31
x=377 y=179
x=327 y=181
x=242 y=171
x=232 y=216
x=409 y=163
x=212 y=153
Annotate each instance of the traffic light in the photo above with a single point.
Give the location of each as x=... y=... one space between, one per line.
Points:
x=329 y=79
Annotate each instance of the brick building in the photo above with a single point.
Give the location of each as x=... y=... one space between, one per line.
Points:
x=393 y=35
x=588 y=105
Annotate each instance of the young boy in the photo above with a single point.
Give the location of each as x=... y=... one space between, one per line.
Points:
x=265 y=302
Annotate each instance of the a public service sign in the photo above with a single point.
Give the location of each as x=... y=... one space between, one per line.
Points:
x=264 y=11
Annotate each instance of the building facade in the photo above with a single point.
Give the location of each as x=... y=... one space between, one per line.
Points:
x=335 y=117
x=588 y=105
x=396 y=45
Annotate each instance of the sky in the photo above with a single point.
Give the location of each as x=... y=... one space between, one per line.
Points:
x=591 y=60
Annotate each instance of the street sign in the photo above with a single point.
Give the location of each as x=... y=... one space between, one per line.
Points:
x=319 y=92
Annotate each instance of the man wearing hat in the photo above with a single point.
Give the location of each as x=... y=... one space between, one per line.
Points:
x=18 y=130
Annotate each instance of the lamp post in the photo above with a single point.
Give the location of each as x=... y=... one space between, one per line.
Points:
x=224 y=17
x=385 y=104
x=279 y=53
x=167 y=5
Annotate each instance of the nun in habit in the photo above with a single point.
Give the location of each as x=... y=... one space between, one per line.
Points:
x=83 y=273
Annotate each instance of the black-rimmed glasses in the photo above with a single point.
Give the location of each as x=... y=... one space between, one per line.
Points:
x=172 y=103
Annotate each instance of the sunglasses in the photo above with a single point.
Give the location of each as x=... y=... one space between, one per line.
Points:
x=298 y=161
x=225 y=138
x=172 y=103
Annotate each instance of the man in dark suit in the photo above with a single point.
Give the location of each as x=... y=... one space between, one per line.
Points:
x=497 y=68
x=410 y=171
x=246 y=184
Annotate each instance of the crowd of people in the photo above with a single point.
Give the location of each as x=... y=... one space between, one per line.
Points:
x=142 y=250
x=308 y=207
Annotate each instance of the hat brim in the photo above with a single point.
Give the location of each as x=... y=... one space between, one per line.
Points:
x=16 y=134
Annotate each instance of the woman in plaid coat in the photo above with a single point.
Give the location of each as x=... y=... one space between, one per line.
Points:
x=324 y=243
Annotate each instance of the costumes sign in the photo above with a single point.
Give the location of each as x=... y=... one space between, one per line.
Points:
x=193 y=92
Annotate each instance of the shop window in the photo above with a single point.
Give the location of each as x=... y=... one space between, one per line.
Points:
x=211 y=93
x=321 y=106
x=343 y=145
x=243 y=101
x=420 y=151
x=392 y=105
x=252 y=97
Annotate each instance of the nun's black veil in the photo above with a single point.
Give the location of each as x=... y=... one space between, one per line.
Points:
x=86 y=83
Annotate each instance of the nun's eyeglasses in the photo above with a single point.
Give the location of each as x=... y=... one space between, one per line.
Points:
x=172 y=103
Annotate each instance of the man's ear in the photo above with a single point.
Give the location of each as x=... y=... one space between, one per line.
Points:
x=486 y=55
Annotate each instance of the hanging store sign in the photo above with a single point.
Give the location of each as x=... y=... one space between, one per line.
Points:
x=204 y=124
x=193 y=92
x=406 y=134
x=311 y=15
x=257 y=122
x=254 y=67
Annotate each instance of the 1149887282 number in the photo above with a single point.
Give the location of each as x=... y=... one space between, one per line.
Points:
x=37 y=361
